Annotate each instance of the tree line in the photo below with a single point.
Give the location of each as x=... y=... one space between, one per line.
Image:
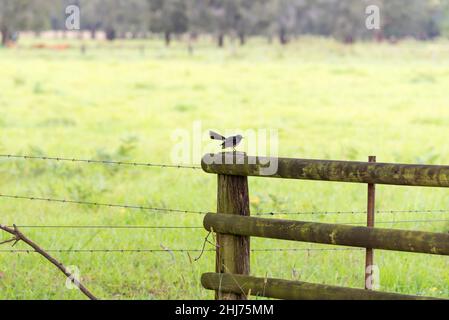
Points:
x=239 y=19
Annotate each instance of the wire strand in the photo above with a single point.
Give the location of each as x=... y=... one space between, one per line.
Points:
x=350 y=212
x=103 y=227
x=98 y=204
x=396 y=222
x=171 y=210
x=173 y=251
x=91 y=161
x=156 y=209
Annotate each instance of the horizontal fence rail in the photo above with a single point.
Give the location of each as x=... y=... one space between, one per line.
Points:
x=333 y=234
x=293 y=290
x=327 y=170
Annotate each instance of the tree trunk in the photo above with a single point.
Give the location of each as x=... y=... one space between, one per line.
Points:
x=5 y=35
x=167 y=36
x=190 y=43
x=93 y=33
x=379 y=36
x=110 y=34
x=348 y=39
x=283 y=36
x=242 y=38
x=221 y=40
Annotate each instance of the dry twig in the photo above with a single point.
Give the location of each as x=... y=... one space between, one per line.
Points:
x=19 y=236
x=206 y=240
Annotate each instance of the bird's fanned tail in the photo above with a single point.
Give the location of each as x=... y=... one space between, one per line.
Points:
x=216 y=136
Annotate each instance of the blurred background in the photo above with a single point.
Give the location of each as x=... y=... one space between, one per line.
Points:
x=139 y=70
x=278 y=20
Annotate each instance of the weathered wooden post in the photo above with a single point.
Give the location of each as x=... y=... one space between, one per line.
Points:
x=369 y=258
x=232 y=251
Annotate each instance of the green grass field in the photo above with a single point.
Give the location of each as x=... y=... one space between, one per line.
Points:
x=327 y=100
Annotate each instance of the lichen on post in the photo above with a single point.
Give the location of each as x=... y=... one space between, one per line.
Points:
x=232 y=251
x=337 y=171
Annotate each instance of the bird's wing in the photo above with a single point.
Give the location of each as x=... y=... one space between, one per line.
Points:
x=228 y=142
x=216 y=136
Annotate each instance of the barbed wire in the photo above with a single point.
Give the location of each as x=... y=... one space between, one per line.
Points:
x=158 y=209
x=92 y=161
x=351 y=212
x=396 y=221
x=272 y=213
x=306 y=249
x=415 y=211
x=99 y=204
x=173 y=250
x=104 y=250
x=104 y=227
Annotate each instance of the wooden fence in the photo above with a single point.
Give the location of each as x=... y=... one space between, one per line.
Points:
x=234 y=226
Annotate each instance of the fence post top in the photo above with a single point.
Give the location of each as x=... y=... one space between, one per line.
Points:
x=233 y=157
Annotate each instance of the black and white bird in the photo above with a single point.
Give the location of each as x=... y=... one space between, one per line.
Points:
x=229 y=142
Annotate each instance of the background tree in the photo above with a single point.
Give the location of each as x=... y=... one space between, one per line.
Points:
x=17 y=15
x=168 y=17
x=442 y=17
x=409 y=18
x=343 y=20
x=348 y=20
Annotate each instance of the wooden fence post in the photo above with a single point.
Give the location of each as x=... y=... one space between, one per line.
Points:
x=232 y=251
x=369 y=257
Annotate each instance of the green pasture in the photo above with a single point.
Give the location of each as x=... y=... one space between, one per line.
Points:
x=122 y=102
